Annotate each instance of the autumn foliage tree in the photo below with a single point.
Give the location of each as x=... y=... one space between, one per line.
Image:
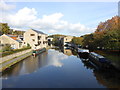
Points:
x=106 y=36
x=4 y=28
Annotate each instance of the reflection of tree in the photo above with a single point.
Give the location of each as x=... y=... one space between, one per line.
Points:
x=74 y=52
x=108 y=78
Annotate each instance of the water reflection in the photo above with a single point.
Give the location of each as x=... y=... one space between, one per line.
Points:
x=28 y=65
x=67 y=51
x=32 y=64
x=67 y=70
x=55 y=58
x=108 y=78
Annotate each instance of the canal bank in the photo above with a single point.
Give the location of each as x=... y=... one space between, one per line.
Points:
x=8 y=61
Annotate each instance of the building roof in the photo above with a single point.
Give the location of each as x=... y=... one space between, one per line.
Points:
x=14 y=37
x=38 y=31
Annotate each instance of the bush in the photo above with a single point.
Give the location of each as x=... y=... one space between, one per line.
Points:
x=7 y=47
x=28 y=45
x=14 y=51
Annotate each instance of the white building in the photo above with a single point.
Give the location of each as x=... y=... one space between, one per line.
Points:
x=36 y=39
x=12 y=40
x=66 y=40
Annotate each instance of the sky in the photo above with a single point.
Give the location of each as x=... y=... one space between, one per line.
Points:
x=68 y=18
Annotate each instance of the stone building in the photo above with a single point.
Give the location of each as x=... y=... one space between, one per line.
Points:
x=36 y=39
x=66 y=40
x=11 y=40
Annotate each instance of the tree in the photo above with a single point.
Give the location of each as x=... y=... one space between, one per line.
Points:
x=107 y=35
x=77 y=40
x=4 y=28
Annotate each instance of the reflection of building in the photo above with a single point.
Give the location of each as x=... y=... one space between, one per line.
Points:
x=36 y=39
x=67 y=52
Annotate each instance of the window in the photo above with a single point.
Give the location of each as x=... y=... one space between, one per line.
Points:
x=44 y=42
x=33 y=39
x=32 y=34
x=39 y=42
x=20 y=44
x=39 y=37
x=36 y=45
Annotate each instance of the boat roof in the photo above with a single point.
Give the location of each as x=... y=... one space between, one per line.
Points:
x=82 y=49
x=97 y=55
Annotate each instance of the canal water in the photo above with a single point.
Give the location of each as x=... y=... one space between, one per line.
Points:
x=58 y=68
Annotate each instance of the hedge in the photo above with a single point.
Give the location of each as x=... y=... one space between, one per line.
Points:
x=14 y=51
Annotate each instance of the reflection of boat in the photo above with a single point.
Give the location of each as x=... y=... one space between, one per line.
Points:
x=99 y=60
x=66 y=47
x=88 y=64
x=38 y=51
x=84 y=53
x=110 y=78
x=82 y=56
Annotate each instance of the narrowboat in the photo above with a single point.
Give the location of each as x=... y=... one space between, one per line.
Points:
x=38 y=51
x=83 y=53
x=99 y=60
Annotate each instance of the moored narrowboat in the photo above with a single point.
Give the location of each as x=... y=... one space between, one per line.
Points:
x=38 y=51
x=99 y=60
x=83 y=53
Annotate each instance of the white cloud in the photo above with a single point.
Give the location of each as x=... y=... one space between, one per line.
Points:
x=51 y=24
x=54 y=18
x=22 y=18
x=4 y=6
x=52 y=31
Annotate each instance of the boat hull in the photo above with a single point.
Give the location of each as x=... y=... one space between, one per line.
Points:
x=83 y=55
x=102 y=65
x=38 y=51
